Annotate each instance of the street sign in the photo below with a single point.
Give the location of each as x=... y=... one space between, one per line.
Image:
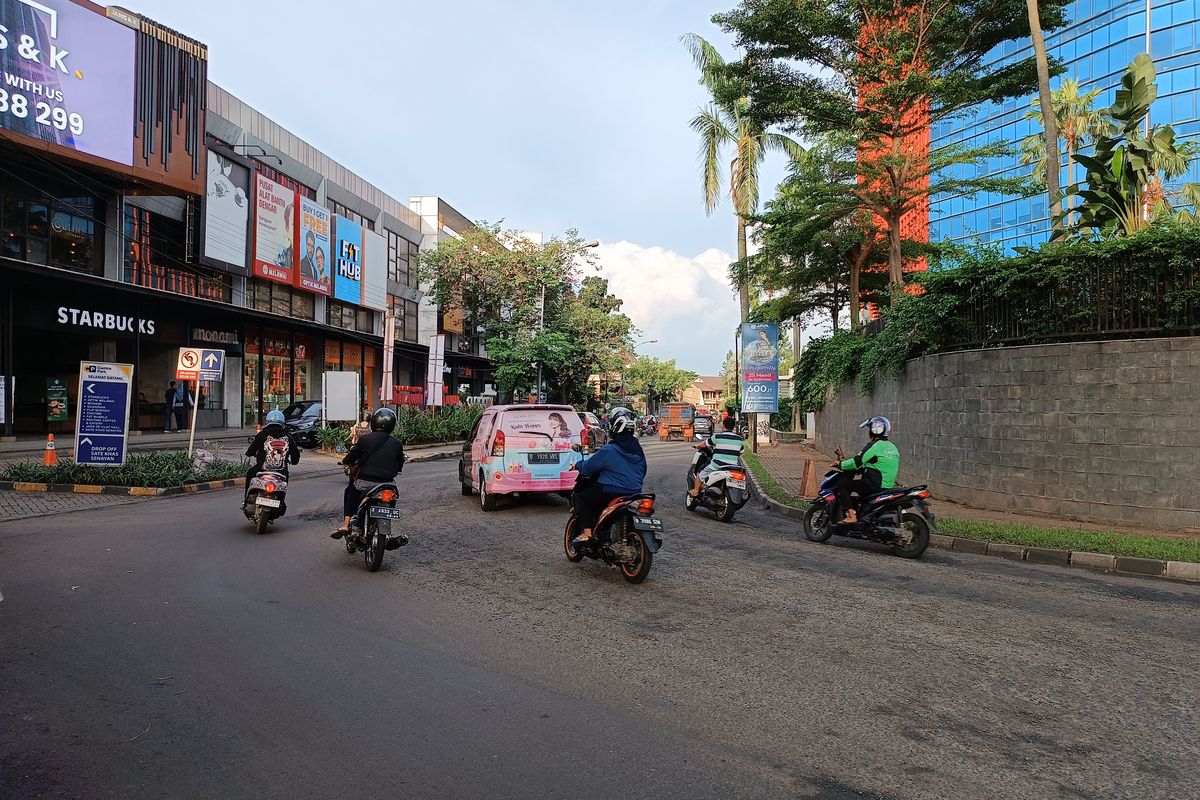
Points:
x=200 y=364
x=102 y=421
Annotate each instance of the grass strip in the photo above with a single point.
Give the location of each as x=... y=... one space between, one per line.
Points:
x=1057 y=538
x=768 y=483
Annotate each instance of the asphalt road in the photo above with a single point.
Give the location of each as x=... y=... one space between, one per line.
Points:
x=164 y=651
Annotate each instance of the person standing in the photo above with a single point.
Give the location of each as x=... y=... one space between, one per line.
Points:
x=180 y=403
x=169 y=403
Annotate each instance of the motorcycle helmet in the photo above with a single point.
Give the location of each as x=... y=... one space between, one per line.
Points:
x=621 y=420
x=877 y=427
x=275 y=417
x=384 y=419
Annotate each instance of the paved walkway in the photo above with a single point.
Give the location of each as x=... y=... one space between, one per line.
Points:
x=798 y=467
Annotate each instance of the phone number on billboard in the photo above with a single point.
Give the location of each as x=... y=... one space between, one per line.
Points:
x=45 y=114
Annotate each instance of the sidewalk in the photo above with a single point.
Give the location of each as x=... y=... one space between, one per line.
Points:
x=228 y=438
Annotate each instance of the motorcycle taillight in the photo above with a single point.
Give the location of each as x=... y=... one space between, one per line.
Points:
x=645 y=506
x=268 y=488
x=387 y=496
x=498 y=444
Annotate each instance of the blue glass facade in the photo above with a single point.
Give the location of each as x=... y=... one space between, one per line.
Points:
x=1096 y=47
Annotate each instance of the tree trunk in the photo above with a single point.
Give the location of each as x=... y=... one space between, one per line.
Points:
x=858 y=257
x=743 y=285
x=895 y=259
x=1048 y=121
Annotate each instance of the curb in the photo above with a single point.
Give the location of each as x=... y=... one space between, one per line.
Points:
x=1187 y=571
x=124 y=491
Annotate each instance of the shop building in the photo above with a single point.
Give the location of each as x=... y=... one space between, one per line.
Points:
x=217 y=228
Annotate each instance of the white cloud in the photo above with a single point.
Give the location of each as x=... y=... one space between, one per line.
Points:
x=685 y=302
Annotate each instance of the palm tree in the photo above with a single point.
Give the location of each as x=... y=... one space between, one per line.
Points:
x=726 y=122
x=1048 y=120
x=1078 y=123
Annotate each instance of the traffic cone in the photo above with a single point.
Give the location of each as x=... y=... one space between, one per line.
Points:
x=50 y=457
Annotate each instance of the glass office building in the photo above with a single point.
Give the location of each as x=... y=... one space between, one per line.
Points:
x=1096 y=46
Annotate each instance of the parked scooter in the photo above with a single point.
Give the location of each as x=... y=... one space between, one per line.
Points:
x=264 y=502
x=724 y=489
x=371 y=529
x=898 y=517
x=625 y=537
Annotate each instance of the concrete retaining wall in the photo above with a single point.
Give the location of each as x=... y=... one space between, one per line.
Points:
x=1099 y=431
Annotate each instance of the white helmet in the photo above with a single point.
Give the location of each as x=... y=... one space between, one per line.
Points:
x=620 y=420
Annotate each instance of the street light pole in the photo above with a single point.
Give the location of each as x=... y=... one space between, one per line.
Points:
x=634 y=348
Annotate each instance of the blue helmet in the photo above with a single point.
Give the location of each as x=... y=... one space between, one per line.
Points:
x=275 y=417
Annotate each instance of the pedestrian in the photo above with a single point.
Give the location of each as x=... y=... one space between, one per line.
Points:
x=361 y=429
x=180 y=403
x=168 y=403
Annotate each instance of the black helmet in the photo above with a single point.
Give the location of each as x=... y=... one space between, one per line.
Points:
x=384 y=419
x=620 y=420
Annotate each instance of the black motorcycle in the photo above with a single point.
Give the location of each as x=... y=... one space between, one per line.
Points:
x=724 y=489
x=626 y=536
x=898 y=517
x=264 y=500
x=371 y=530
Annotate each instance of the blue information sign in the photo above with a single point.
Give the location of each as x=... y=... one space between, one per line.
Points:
x=212 y=365
x=102 y=420
x=760 y=367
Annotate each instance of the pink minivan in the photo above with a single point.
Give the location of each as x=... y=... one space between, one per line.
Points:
x=520 y=449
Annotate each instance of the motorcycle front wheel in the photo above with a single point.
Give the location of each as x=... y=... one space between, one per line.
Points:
x=376 y=540
x=916 y=528
x=817 y=525
x=689 y=502
x=635 y=571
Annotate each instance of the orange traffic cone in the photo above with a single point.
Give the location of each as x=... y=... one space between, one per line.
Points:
x=50 y=457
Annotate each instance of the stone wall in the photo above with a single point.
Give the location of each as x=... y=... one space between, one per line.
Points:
x=1099 y=431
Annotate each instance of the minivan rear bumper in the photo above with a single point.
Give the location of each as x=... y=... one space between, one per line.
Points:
x=521 y=482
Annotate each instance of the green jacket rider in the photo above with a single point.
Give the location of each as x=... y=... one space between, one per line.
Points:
x=878 y=462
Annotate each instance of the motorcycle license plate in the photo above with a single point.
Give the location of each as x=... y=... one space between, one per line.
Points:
x=269 y=502
x=647 y=524
x=383 y=512
x=735 y=484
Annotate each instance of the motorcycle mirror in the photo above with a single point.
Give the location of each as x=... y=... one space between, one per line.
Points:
x=577 y=448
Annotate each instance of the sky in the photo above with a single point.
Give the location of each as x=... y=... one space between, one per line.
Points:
x=543 y=114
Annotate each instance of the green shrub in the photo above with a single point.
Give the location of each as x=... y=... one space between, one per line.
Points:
x=157 y=469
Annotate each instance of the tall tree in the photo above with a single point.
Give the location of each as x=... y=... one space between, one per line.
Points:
x=726 y=122
x=661 y=381
x=1049 y=118
x=885 y=71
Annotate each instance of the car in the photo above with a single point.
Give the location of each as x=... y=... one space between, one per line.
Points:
x=302 y=419
x=521 y=449
x=595 y=434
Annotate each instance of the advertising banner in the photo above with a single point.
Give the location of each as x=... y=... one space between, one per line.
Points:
x=760 y=367
x=67 y=77
x=375 y=269
x=56 y=400
x=315 y=261
x=102 y=426
x=274 y=230
x=226 y=211
x=347 y=278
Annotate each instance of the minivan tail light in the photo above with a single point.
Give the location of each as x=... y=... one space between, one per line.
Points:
x=498 y=444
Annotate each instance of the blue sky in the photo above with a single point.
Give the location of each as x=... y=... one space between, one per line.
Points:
x=547 y=115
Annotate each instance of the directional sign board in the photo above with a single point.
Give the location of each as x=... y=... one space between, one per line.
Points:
x=102 y=421
x=200 y=364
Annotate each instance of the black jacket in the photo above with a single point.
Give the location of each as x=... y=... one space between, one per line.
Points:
x=258 y=448
x=379 y=455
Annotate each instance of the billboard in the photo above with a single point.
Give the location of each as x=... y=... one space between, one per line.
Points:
x=313 y=246
x=67 y=77
x=760 y=367
x=226 y=211
x=274 y=230
x=347 y=276
x=375 y=271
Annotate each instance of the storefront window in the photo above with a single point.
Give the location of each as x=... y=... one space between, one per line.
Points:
x=405 y=312
x=155 y=257
x=250 y=380
x=350 y=318
x=305 y=383
x=61 y=232
x=277 y=370
x=333 y=355
x=278 y=298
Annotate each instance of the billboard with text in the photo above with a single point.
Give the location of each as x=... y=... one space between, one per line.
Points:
x=348 y=264
x=274 y=230
x=760 y=367
x=314 y=241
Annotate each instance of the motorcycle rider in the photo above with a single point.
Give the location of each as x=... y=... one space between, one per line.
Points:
x=618 y=468
x=272 y=449
x=876 y=464
x=727 y=448
x=377 y=458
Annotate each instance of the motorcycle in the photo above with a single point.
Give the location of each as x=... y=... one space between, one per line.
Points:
x=264 y=502
x=898 y=517
x=724 y=489
x=371 y=529
x=625 y=537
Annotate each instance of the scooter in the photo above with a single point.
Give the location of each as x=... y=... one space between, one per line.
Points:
x=724 y=490
x=264 y=501
x=898 y=517
x=626 y=536
x=371 y=529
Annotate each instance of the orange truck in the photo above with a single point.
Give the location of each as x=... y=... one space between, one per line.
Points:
x=676 y=420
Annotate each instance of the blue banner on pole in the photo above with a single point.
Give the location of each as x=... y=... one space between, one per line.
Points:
x=760 y=368
x=102 y=424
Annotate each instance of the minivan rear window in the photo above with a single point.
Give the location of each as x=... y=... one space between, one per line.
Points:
x=542 y=427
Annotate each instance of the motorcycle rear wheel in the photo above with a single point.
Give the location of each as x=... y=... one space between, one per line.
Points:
x=817 y=525
x=573 y=553
x=918 y=528
x=640 y=568
x=376 y=540
x=262 y=518
x=726 y=510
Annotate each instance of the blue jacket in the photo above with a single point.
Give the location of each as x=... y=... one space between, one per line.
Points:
x=618 y=467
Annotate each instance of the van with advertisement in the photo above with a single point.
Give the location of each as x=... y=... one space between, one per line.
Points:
x=521 y=449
